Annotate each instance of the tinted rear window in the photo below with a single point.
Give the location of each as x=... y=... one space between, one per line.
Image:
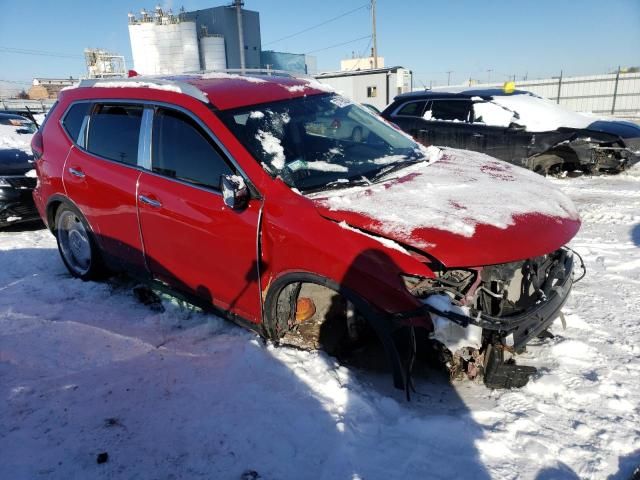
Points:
x=412 y=109
x=114 y=132
x=73 y=119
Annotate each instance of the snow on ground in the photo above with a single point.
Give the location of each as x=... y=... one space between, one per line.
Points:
x=86 y=369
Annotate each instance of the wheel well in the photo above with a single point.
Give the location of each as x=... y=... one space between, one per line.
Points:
x=280 y=309
x=52 y=209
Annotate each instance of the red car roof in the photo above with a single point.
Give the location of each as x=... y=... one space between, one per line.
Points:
x=227 y=91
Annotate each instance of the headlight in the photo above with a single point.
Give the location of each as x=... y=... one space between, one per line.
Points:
x=456 y=282
x=4 y=182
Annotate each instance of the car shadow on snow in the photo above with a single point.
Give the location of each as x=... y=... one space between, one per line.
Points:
x=628 y=467
x=211 y=403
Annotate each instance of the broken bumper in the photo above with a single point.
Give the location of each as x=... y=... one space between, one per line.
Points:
x=523 y=326
x=16 y=207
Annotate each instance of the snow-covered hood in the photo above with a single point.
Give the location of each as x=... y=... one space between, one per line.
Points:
x=15 y=150
x=464 y=209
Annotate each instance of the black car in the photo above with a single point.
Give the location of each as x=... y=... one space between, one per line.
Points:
x=517 y=127
x=17 y=177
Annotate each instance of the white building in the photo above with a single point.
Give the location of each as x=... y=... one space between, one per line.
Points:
x=361 y=63
x=377 y=87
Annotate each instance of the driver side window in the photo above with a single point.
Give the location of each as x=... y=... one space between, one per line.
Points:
x=183 y=150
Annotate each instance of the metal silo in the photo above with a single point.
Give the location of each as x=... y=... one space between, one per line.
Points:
x=162 y=43
x=212 y=52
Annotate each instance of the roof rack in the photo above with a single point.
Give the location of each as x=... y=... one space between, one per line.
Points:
x=252 y=71
x=144 y=81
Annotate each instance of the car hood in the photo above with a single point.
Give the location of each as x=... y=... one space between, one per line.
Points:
x=463 y=208
x=615 y=127
x=14 y=161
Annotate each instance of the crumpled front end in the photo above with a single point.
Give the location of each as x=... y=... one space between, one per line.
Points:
x=484 y=316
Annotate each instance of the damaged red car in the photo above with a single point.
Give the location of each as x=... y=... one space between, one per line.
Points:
x=301 y=215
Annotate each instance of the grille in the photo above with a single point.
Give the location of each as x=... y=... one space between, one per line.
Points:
x=22 y=182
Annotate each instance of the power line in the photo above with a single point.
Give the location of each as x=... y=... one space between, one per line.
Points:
x=24 y=51
x=317 y=25
x=338 y=44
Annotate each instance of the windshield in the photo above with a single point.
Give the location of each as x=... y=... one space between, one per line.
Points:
x=321 y=141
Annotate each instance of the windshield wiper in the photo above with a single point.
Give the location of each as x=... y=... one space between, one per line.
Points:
x=384 y=171
x=341 y=183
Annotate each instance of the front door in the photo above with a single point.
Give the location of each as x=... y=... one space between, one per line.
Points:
x=192 y=240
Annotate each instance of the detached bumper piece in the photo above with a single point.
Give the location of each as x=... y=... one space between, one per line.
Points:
x=501 y=374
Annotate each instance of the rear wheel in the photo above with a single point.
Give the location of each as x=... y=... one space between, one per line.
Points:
x=76 y=245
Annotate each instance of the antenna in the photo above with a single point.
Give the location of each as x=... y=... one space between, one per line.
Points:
x=373 y=34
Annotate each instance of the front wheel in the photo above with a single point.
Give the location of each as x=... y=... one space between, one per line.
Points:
x=76 y=245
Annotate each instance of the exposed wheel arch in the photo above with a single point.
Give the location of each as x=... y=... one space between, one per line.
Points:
x=274 y=323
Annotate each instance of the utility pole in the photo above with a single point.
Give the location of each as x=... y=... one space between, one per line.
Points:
x=449 y=72
x=238 y=4
x=373 y=34
x=489 y=75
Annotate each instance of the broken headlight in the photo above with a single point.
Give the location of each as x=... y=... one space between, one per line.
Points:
x=456 y=283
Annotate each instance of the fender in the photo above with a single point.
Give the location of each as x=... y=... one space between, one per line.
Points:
x=379 y=321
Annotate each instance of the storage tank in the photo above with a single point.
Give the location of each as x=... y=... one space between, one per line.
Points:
x=167 y=46
x=212 y=52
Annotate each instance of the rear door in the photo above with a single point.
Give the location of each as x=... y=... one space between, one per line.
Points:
x=101 y=173
x=193 y=241
x=406 y=116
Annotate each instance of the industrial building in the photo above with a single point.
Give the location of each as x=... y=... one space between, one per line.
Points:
x=217 y=38
x=376 y=87
x=49 y=88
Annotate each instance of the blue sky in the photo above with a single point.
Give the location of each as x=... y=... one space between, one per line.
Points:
x=535 y=38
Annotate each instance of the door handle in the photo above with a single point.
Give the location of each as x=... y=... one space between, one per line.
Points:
x=76 y=172
x=478 y=135
x=149 y=201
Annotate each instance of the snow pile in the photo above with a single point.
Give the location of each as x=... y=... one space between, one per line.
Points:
x=272 y=146
x=322 y=166
x=455 y=193
x=86 y=369
x=492 y=114
x=384 y=241
x=233 y=76
x=10 y=139
x=541 y=115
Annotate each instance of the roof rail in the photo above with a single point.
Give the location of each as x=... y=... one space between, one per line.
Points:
x=143 y=81
x=252 y=71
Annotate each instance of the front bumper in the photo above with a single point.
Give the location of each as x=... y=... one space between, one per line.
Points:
x=523 y=326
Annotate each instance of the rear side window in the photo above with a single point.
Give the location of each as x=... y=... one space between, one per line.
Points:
x=114 y=132
x=412 y=109
x=72 y=122
x=183 y=150
x=450 y=110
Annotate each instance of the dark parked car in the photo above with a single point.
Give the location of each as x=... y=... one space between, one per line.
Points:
x=519 y=127
x=17 y=177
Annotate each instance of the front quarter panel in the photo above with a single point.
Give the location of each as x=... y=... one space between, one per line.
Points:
x=295 y=238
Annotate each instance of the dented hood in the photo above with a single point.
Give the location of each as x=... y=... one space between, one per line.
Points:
x=463 y=208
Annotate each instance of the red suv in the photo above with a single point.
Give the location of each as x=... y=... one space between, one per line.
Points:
x=303 y=216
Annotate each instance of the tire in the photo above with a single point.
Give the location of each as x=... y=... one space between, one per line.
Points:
x=76 y=244
x=544 y=164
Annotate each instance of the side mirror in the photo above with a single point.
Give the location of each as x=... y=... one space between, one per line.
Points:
x=517 y=127
x=234 y=191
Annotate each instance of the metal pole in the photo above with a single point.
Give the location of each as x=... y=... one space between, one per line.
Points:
x=559 y=87
x=373 y=35
x=238 y=5
x=615 y=92
x=449 y=77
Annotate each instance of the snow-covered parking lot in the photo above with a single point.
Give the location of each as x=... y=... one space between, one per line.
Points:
x=86 y=369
